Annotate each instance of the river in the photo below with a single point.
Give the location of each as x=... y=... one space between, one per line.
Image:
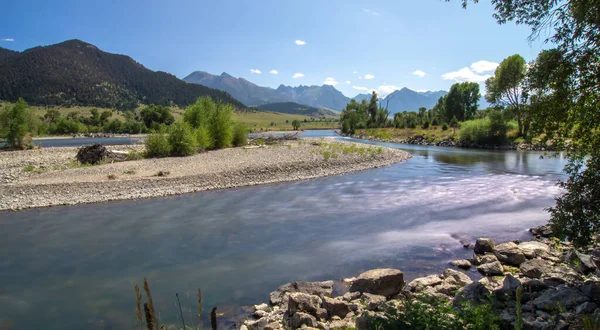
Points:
x=72 y=267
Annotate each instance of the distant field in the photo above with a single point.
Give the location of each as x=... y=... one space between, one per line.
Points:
x=252 y=119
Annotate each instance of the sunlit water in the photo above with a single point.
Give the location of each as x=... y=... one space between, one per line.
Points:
x=73 y=267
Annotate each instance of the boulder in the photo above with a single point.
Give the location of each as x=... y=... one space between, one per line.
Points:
x=475 y=292
x=260 y=314
x=542 y=231
x=509 y=253
x=303 y=302
x=484 y=259
x=463 y=264
x=534 y=249
x=509 y=286
x=367 y=319
x=491 y=269
x=261 y=307
x=386 y=282
x=582 y=262
x=336 y=307
x=322 y=314
x=349 y=296
x=587 y=307
x=483 y=245
x=321 y=289
x=456 y=278
x=561 y=297
x=534 y=285
x=419 y=284
x=272 y=326
x=535 y=268
x=299 y=319
x=373 y=302
x=258 y=324
x=592 y=290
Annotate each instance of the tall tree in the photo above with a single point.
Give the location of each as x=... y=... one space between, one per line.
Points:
x=505 y=88
x=372 y=109
x=461 y=101
x=15 y=123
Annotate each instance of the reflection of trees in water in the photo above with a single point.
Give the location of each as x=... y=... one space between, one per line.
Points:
x=458 y=158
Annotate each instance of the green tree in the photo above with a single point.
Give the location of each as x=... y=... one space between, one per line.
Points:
x=220 y=125
x=354 y=116
x=372 y=109
x=461 y=101
x=454 y=124
x=296 y=124
x=182 y=140
x=505 y=88
x=199 y=112
x=104 y=116
x=156 y=114
x=52 y=115
x=94 y=117
x=15 y=123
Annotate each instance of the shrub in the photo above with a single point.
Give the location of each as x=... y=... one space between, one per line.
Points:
x=425 y=124
x=203 y=138
x=181 y=139
x=221 y=125
x=240 y=135
x=483 y=131
x=444 y=127
x=15 y=123
x=157 y=145
x=197 y=114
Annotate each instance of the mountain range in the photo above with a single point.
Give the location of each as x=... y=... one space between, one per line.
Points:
x=325 y=96
x=77 y=73
x=296 y=109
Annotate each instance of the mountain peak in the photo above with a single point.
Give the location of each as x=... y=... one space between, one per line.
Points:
x=226 y=75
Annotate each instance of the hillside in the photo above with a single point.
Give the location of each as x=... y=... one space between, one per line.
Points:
x=77 y=73
x=252 y=95
x=6 y=53
x=296 y=109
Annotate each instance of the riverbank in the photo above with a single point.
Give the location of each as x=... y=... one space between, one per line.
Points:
x=49 y=176
x=540 y=284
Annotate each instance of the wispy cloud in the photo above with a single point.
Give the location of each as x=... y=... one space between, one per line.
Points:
x=255 y=71
x=465 y=74
x=274 y=72
x=355 y=72
x=484 y=66
x=300 y=42
x=330 y=81
x=372 y=12
x=7 y=39
x=419 y=73
x=348 y=82
x=360 y=88
x=385 y=90
x=298 y=75
x=369 y=76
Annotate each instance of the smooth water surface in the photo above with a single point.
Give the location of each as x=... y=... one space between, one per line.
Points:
x=73 y=267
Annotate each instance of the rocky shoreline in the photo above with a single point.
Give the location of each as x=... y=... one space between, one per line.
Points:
x=48 y=176
x=558 y=288
x=450 y=142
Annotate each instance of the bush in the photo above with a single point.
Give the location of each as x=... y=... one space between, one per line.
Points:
x=203 y=138
x=197 y=114
x=425 y=124
x=15 y=123
x=220 y=125
x=240 y=135
x=181 y=140
x=157 y=145
x=444 y=127
x=483 y=131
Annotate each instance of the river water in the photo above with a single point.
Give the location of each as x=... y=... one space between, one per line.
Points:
x=72 y=267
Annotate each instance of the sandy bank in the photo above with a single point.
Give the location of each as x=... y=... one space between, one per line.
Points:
x=53 y=180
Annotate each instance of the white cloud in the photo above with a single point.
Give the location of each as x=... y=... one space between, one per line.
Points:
x=330 y=81
x=419 y=73
x=348 y=82
x=385 y=90
x=369 y=76
x=298 y=75
x=484 y=66
x=372 y=12
x=465 y=74
x=355 y=72
x=422 y=90
x=360 y=88
x=300 y=42
x=274 y=72
x=7 y=39
x=255 y=71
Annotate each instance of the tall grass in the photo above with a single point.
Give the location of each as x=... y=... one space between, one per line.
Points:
x=482 y=131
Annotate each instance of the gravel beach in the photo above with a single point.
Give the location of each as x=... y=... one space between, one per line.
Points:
x=47 y=177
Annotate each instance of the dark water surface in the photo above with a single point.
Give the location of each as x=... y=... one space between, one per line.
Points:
x=73 y=267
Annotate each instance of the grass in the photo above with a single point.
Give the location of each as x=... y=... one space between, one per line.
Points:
x=333 y=150
x=263 y=119
x=433 y=134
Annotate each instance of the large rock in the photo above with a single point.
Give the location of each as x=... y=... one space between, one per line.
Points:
x=419 y=284
x=582 y=262
x=336 y=307
x=299 y=319
x=456 y=278
x=484 y=259
x=542 y=231
x=592 y=290
x=491 y=269
x=586 y=308
x=509 y=253
x=534 y=249
x=535 y=268
x=373 y=302
x=475 y=292
x=385 y=282
x=321 y=289
x=483 y=245
x=463 y=264
x=303 y=302
x=510 y=286
x=562 y=297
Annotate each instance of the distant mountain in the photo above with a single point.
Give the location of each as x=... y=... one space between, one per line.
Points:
x=252 y=95
x=358 y=98
x=296 y=109
x=78 y=73
x=406 y=100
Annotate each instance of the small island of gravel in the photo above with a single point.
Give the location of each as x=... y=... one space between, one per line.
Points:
x=47 y=177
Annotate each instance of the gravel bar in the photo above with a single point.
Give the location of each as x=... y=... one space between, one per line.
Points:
x=51 y=178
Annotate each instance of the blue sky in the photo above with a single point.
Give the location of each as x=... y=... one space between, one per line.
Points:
x=355 y=45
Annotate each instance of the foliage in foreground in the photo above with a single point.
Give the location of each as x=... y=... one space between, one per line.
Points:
x=15 y=124
x=425 y=313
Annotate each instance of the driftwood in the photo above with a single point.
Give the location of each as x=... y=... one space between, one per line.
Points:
x=272 y=139
x=96 y=153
